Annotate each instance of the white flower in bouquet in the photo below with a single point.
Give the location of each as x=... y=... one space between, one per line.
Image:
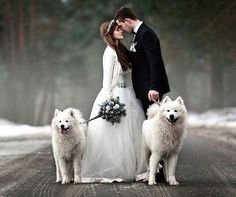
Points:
x=116 y=106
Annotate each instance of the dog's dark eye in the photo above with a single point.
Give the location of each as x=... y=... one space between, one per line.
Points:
x=168 y=110
x=176 y=110
x=67 y=121
x=60 y=121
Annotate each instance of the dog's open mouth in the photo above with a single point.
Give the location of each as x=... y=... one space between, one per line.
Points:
x=172 y=121
x=64 y=131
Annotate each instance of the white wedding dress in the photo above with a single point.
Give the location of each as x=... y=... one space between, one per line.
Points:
x=114 y=152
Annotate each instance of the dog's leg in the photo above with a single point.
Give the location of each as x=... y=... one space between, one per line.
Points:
x=154 y=160
x=64 y=171
x=70 y=170
x=77 y=168
x=58 y=173
x=172 y=161
x=165 y=170
x=147 y=154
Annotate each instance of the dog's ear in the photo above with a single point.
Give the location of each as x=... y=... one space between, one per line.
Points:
x=72 y=113
x=56 y=112
x=179 y=100
x=167 y=98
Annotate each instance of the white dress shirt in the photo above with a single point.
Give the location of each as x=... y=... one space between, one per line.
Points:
x=137 y=26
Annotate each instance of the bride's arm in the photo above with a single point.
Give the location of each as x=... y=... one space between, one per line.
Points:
x=108 y=67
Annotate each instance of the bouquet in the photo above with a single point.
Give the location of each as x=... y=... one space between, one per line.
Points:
x=111 y=110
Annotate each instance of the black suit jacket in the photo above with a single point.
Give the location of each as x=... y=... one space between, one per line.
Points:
x=148 y=70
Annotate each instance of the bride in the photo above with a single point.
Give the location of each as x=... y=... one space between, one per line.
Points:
x=113 y=152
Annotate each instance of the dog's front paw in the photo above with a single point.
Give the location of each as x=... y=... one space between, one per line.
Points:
x=77 y=180
x=172 y=181
x=65 y=180
x=152 y=182
x=58 y=180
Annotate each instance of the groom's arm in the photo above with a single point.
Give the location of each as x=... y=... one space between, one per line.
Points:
x=152 y=50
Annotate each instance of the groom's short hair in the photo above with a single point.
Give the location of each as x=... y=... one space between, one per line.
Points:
x=124 y=13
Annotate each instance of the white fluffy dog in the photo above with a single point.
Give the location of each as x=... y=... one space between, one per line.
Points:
x=163 y=133
x=68 y=142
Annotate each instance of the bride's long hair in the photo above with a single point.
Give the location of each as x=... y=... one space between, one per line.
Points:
x=120 y=49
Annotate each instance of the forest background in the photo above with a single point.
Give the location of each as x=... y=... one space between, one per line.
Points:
x=51 y=53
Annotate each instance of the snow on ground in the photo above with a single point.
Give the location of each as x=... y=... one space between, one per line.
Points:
x=217 y=124
x=225 y=117
x=216 y=117
x=19 y=139
x=10 y=129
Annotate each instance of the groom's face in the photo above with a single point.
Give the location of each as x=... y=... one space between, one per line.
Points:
x=126 y=25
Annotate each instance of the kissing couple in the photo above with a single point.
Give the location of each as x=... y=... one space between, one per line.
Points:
x=137 y=76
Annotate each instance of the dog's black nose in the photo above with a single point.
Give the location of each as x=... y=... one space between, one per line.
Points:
x=172 y=117
x=62 y=126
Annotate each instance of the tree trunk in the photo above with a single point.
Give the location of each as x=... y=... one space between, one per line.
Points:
x=9 y=31
x=21 y=31
x=216 y=99
x=32 y=24
x=10 y=60
x=32 y=63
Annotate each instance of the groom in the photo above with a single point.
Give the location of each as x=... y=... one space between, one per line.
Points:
x=148 y=71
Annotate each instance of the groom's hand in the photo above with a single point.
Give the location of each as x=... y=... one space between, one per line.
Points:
x=153 y=95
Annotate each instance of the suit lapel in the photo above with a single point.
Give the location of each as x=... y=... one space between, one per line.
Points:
x=140 y=29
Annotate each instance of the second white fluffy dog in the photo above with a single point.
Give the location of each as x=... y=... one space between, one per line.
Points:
x=68 y=142
x=163 y=133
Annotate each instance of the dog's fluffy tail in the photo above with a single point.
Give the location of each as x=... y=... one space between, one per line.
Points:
x=152 y=110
